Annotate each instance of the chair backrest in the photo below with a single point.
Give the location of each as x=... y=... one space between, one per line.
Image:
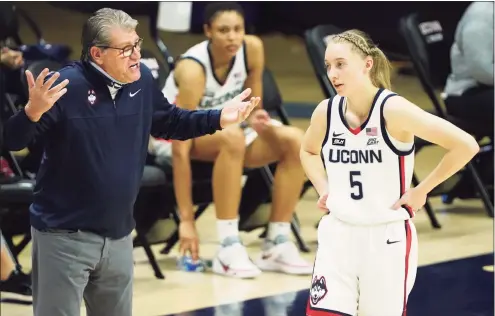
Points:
x=159 y=70
x=9 y=24
x=155 y=35
x=316 y=45
x=272 y=99
x=429 y=40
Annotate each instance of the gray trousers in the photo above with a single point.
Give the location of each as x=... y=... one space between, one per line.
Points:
x=72 y=266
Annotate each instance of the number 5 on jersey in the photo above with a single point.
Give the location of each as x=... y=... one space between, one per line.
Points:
x=356 y=184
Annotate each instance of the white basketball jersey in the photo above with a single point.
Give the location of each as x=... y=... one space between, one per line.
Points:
x=368 y=170
x=215 y=93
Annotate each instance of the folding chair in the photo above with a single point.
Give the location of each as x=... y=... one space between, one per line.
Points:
x=15 y=199
x=429 y=41
x=151 y=205
x=316 y=44
x=18 y=286
x=9 y=24
x=16 y=195
x=10 y=19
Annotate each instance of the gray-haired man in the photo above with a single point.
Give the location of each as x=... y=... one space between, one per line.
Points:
x=95 y=122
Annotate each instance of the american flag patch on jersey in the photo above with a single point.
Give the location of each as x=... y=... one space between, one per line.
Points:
x=371 y=131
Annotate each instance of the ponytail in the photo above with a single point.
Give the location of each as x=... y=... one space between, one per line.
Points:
x=381 y=71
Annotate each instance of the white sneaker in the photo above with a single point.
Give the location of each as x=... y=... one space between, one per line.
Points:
x=233 y=260
x=282 y=255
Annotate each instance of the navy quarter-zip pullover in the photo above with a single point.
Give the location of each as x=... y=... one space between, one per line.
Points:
x=96 y=146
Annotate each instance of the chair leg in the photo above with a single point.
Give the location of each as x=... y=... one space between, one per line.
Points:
x=264 y=233
x=481 y=188
x=267 y=174
x=15 y=301
x=433 y=218
x=284 y=117
x=151 y=257
x=12 y=248
x=174 y=238
x=24 y=242
x=294 y=225
x=306 y=187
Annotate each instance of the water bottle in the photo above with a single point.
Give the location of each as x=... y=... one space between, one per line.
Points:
x=186 y=263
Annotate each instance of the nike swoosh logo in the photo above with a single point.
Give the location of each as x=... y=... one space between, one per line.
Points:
x=392 y=242
x=225 y=267
x=337 y=135
x=133 y=94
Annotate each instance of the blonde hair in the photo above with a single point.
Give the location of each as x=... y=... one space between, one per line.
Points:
x=363 y=45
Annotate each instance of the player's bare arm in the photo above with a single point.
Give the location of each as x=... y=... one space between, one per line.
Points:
x=406 y=120
x=190 y=78
x=311 y=148
x=256 y=64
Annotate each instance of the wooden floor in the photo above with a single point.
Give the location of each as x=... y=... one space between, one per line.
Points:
x=467 y=230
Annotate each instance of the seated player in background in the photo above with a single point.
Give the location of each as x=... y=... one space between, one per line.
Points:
x=205 y=75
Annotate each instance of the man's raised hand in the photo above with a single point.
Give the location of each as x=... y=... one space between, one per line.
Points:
x=42 y=96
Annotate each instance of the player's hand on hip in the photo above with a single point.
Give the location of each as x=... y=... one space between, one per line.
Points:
x=188 y=239
x=238 y=110
x=42 y=96
x=322 y=202
x=414 y=198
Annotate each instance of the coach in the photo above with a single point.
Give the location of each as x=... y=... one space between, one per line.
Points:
x=95 y=117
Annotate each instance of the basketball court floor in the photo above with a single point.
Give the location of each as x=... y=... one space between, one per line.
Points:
x=455 y=277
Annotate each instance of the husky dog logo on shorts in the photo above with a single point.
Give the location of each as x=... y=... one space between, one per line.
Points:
x=318 y=290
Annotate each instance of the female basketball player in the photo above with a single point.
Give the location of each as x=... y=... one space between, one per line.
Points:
x=205 y=75
x=359 y=154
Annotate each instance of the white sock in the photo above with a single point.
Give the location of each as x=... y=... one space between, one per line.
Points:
x=276 y=229
x=227 y=228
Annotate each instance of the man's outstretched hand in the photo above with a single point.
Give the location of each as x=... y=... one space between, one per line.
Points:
x=42 y=96
x=237 y=110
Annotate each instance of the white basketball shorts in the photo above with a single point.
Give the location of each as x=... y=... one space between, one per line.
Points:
x=363 y=270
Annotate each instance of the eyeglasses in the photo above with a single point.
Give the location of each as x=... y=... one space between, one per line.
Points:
x=128 y=50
